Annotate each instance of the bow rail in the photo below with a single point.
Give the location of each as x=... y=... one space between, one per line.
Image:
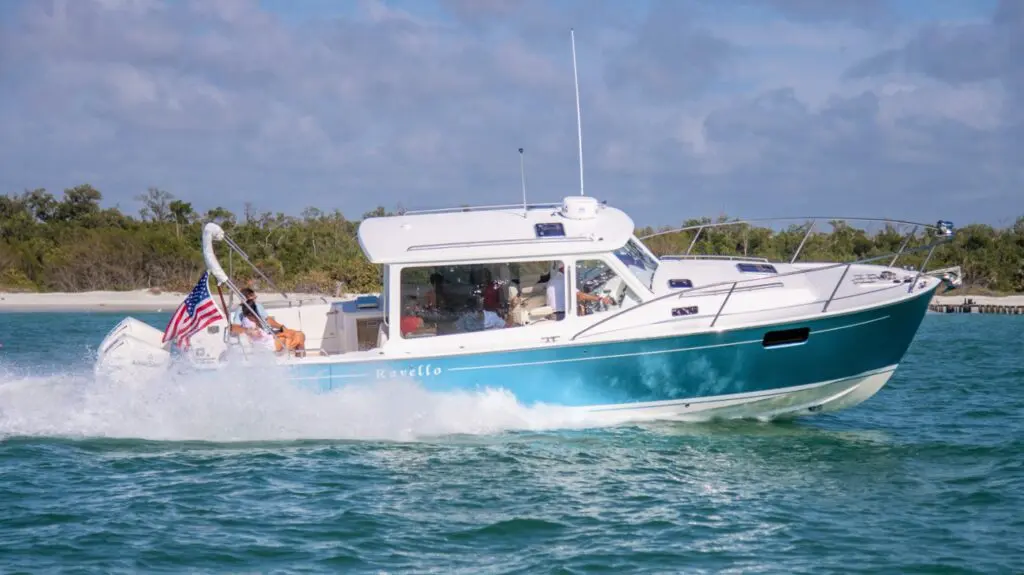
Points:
x=942 y=233
x=940 y=228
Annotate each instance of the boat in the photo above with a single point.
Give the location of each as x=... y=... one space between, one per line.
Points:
x=561 y=304
x=641 y=336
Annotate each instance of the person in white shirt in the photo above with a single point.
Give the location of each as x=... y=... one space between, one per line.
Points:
x=260 y=338
x=556 y=293
x=292 y=339
x=478 y=318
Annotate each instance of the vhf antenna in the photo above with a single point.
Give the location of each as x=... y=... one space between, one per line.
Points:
x=579 y=123
x=522 y=175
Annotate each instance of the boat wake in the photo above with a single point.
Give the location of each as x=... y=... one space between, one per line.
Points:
x=258 y=406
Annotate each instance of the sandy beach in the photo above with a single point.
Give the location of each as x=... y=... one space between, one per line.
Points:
x=119 y=301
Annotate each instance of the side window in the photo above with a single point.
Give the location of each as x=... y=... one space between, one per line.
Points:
x=599 y=289
x=443 y=300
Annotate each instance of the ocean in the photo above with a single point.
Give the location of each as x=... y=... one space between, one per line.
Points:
x=223 y=475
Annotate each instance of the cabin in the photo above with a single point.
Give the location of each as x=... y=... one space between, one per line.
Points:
x=465 y=270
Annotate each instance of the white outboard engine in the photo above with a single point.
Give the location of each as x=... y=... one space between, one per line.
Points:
x=133 y=349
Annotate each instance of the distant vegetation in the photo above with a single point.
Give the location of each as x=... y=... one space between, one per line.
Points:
x=73 y=244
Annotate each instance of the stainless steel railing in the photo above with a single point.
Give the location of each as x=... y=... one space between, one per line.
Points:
x=481 y=208
x=811 y=221
x=715 y=257
x=944 y=235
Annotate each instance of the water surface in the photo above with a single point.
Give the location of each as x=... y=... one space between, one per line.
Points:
x=215 y=474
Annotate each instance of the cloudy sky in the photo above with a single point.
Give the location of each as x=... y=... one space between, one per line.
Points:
x=902 y=108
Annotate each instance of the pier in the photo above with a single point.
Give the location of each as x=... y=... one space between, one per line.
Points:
x=981 y=304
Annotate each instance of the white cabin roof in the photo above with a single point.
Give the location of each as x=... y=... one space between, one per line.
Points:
x=580 y=225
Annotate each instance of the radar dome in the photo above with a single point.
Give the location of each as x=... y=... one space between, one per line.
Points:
x=580 y=207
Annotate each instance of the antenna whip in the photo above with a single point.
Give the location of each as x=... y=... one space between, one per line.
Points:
x=579 y=123
x=522 y=175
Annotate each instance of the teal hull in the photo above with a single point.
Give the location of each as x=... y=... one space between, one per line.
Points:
x=682 y=367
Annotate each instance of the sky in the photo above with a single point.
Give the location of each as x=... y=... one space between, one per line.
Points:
x=910 y=109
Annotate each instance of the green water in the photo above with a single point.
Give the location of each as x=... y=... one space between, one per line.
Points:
x=218 y=475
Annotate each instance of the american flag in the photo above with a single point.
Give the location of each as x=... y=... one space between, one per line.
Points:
x=195 y=313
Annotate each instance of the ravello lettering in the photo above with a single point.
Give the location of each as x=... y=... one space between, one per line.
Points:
x=422 y=370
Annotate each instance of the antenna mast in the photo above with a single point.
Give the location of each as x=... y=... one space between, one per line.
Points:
x=522 y=175
x=579 y=123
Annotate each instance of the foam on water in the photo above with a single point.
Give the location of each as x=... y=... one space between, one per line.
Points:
x=258 y=405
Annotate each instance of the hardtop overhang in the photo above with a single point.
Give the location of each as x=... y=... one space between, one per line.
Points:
x=579 y=226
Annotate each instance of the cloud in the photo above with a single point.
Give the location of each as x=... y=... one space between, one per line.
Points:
x=861 y=12
x=689 y=108
x=669 y=57
x=961 y=54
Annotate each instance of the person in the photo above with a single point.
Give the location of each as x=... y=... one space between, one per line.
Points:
x=556 y=293
x=294 y=340
x=434 y=298
x=478 y=318
x=410 y=321
x=491 y=292
x=251 y=327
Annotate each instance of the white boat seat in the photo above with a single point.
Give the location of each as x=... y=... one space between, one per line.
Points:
x=541 y=311
x=523 y=316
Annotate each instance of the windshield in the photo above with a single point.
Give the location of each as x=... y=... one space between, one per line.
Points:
x=639 y=263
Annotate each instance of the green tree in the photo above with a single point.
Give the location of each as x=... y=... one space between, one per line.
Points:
x=182 y=214
x=74 y=244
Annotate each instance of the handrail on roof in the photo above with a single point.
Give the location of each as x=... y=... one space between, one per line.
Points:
x=714 y=257
x=516 y=241
x=481 y=208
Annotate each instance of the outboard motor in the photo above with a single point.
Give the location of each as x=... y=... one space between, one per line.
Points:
x=133 y=350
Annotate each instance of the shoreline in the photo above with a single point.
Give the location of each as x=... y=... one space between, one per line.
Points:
x=1003 y=300
x=166 y=302
x=122 y=301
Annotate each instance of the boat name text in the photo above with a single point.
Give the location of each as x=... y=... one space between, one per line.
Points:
x=421 y=370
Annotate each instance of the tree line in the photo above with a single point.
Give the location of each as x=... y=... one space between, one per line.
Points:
x=74 y=244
